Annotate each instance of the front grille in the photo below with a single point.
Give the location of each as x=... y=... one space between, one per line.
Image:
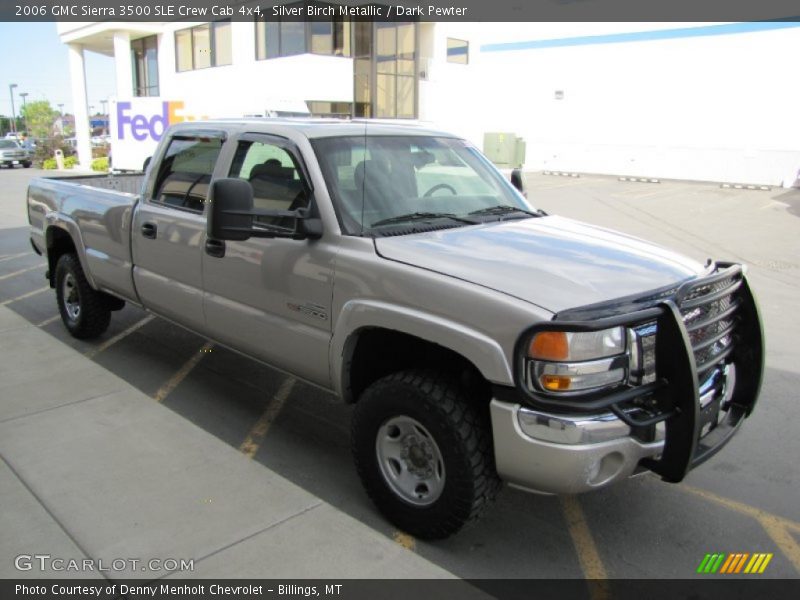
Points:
x=645 y=371
x=709 y=315
x=708 y=310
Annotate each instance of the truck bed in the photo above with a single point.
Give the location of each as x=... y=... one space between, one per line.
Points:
x=96 y=209
x=129 y=183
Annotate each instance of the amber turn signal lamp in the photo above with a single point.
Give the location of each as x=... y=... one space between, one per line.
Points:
x=555 y=383
x=549 y=345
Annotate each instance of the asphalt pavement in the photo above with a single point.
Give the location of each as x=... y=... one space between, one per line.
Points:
x=150 y=443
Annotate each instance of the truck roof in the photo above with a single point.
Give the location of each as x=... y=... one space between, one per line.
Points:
x=317 y=127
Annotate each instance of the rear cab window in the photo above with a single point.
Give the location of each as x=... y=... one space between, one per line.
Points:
x=184 y=175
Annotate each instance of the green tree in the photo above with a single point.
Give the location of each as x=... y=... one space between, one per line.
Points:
x=39 y=117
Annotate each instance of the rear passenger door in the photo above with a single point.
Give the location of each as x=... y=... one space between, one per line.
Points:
x=169 y=229
x=271 y=297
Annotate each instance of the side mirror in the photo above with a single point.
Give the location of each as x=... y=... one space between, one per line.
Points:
x=518 y=181
x=230 y=210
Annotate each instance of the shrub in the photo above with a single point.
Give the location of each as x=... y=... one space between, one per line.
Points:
x=46 y=148
x=70 y=162
x=100 y=164
x=49 y=163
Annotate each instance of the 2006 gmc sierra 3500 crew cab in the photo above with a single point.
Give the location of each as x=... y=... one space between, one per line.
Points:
x=480 y=339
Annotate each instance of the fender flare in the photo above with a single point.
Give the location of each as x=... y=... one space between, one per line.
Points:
x=54 y=220
x=357 y=315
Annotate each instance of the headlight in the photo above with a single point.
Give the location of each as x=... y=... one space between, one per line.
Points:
x=569 y=361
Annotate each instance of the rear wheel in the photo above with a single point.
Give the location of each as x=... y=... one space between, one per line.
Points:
x=84 y=311
x=423 y=453
x=27 y=164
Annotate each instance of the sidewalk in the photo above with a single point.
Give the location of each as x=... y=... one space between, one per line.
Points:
x=92 y=468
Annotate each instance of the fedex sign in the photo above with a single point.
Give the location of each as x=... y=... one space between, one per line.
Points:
x=141 y=125
x=138 y=124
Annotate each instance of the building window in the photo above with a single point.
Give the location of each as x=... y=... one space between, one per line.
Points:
x=385 y=70
x=325 y=108
x=144 y=55
x=275 y=38
x=457 y=51
x=395 y=68
x=207 y=45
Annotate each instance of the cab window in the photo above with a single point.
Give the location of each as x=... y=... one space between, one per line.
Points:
x=185 y=172
x=275 y=176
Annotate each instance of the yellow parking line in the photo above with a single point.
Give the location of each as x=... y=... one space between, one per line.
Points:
x=741 y=507
x=48 y=321
x=258 y=432
x=6 y=257
x=406 y=541
x=23 y=296
x=20 y=272
x=588 y=556
x=174 y=381
x=783 y=539
x=123 y=334
x=777 y=528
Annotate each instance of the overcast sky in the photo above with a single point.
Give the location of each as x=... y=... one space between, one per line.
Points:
x=35 y=59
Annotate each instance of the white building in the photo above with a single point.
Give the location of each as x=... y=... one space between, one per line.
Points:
x=714 y=102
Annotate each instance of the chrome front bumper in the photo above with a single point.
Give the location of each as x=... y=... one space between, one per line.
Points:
x=557 y=454
x=562 y=454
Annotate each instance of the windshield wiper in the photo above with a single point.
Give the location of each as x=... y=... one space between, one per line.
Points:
x=420 y=216
x=504 y=209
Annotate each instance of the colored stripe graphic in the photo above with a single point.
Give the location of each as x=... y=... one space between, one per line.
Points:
x=717 y=563
x=767 y=558
x=740 y=564
x=734 y=563
x=643 y=36
x=727 y=565
x=703 y=563
x=731 y=563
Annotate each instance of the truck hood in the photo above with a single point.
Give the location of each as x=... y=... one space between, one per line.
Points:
x=553 y=262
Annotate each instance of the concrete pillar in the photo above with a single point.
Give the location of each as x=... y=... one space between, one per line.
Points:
x=77 y=73
x=123 y=64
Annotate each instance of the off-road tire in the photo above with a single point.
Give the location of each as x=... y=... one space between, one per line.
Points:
x=437 y=402
x=94 y=315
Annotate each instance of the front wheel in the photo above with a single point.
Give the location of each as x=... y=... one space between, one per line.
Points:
x=84 y=311
x=423 y=453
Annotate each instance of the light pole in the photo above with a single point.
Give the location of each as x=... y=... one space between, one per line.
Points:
x=105 y=116
x=11 y=87
x=24 y=112
x=61 y=118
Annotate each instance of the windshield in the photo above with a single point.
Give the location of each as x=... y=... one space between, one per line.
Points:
x=6 y=144
x=381 y=183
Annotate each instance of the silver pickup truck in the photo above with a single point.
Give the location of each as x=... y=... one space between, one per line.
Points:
x=480 y=339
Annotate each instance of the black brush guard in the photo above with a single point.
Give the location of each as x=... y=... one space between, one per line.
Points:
x=694 y=433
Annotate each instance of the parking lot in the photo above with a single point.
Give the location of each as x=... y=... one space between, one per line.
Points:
x=743 y=500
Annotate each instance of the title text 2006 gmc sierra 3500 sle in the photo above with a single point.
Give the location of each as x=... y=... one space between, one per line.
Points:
x=480 y=339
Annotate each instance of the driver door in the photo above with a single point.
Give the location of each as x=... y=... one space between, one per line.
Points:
x=271 y=297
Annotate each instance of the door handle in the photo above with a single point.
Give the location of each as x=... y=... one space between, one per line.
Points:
x=215 y=248
x=150 y=230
